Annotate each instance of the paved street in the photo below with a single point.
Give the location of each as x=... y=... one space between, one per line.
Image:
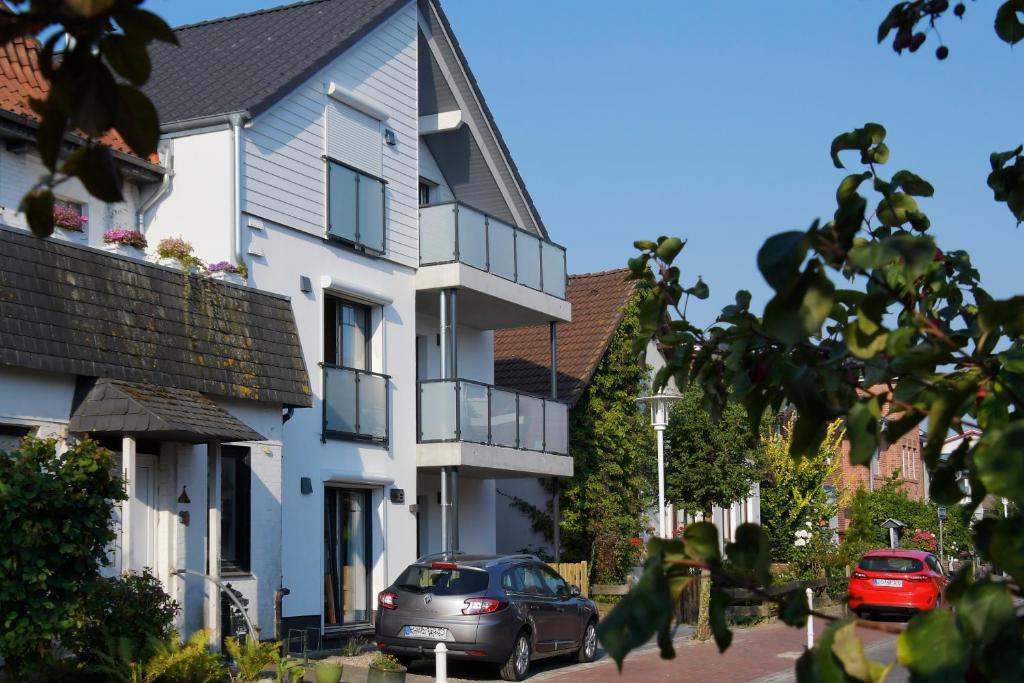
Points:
x=762 y=654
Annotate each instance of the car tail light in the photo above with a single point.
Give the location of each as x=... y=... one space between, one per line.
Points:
x=858 y=575
x=483 y=605
x=387 y=600
x=444 y=565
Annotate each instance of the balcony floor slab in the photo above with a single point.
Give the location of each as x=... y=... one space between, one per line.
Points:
x=491 y=462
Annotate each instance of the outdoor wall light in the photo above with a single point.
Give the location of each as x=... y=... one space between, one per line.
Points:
x=183 y=498
x=390 y=138
x=305 y=284
x=305 y=486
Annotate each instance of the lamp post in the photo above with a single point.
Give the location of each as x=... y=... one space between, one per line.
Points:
x=660 y=404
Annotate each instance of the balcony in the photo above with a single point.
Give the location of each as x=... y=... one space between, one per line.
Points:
x=355 y=404
x=495 y=263
x=492 y=432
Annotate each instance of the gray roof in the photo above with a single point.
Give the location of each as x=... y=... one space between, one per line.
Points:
x=249 y=61
x=81 y=311
x=108 y=406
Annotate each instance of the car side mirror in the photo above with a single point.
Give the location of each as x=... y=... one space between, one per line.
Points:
x=574 y=591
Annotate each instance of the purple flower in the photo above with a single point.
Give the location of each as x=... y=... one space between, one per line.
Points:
x=222 y=267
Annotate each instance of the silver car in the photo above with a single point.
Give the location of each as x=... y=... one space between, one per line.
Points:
x=509 y=610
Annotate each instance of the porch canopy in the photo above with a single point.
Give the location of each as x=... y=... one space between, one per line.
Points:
x=108 y=406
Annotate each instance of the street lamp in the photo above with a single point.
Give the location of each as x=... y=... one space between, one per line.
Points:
x=660 y=404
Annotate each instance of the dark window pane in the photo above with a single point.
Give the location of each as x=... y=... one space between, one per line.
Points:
x=371 y=213
x=884 y=563
x=446 y=581
x=235 y=498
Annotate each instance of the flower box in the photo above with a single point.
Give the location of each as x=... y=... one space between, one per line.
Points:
x=124 y=250
x=225 y=276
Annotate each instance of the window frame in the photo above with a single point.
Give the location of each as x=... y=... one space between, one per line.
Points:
x=357 y=242
x=240 y=459
x=339 y=302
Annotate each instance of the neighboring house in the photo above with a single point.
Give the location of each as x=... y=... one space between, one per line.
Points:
x=902 y=459
x=990 y=503
x=184 y=378
x=342 y=151
x=522 y=361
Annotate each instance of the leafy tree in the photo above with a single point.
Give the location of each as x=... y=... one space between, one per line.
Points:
x=95 y=86
x=909 y=316
x=793 y=492
x=709 y=463
x=611 y=443
x=55 y=528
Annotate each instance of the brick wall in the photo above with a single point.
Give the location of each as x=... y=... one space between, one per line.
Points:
x=903 y=456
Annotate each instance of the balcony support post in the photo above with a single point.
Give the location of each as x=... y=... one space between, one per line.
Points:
x=453 y=489
x=443 y=335
x=453 y=319
x=556 y=518
x=445 y=546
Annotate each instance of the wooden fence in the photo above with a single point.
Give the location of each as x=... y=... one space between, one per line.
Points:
x=576 y=573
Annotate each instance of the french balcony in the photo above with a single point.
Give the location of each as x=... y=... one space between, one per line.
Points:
x=509 y=277
x=355 y=404
x=487 y=431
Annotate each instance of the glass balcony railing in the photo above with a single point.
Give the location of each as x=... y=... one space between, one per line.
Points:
x=355 y=404
x=452 y=231
x=463 y=410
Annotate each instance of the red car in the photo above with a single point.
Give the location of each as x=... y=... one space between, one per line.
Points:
x=896 y=581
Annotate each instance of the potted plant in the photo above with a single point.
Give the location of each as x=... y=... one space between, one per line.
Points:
x=174 y=252
x=327 y=672
x=384 y=668
x=131 y=243
x=228 y=272
x=69 y=220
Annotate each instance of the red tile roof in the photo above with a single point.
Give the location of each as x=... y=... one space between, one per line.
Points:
x=522 y=355
x=21 y=80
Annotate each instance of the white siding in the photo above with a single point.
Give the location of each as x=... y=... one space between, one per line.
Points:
x=285 y=175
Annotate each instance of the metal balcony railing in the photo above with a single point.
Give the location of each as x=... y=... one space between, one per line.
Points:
x=464 y=410
x=454 y=232
x=355 y=404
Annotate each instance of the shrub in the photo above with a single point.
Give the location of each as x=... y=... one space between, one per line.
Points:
x=129 y=238
x=56 y=529
x=133 y=607
x=192 y=662
x=252 y=657
x=385 y=662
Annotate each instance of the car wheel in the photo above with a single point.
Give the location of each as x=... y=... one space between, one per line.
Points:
x=518 y=663
x=588 y=648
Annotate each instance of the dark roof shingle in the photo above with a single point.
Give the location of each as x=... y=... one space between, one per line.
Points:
x=107 y=405
x=81 y=311
x=249 y=61
x=522 y=355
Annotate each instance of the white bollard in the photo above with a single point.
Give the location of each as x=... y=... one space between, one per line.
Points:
x=810 y=619
x=441 y=663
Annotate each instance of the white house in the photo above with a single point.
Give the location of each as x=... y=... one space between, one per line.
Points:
x=342 y=152
x=186 y=379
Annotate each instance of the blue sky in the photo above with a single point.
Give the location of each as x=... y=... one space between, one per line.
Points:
x=712 y=121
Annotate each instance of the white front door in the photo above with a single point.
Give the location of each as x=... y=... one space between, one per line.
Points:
x=143 y=528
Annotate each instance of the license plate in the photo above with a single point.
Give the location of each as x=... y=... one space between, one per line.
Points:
x=892 y=583
x=432 y=632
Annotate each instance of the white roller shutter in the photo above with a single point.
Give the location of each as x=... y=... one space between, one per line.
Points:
x=354 y=138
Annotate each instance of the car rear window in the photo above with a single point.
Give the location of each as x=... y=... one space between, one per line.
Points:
x=890 y=563
x=443 y=581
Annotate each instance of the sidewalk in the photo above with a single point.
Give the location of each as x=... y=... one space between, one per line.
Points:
x=768 y=651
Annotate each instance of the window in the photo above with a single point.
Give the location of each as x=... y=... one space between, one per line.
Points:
x=11 y=436
x=524 y=579
x=889 y=563
x=69 y=215
x=355 y=206
x=554 y=583
x=235 y=501
x=934 y=565
x=346 y=334
x=443 y=580
x=424 y=193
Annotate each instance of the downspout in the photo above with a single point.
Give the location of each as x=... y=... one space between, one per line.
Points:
x=165 y=185
x=235 y=121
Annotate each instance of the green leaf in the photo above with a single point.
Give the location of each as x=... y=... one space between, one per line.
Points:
x=892 y=210
x=794 y=609
x=1007 y=313
x=127 y=57
x=750 y=553
x=879 y=153
x=933 y=648
x=94 y=165
x=862 y=430
x=136 y=120
x=645 y=245
x=986 y=609
x=849 y=185
x=1013 y=360
x=1009 y=27
x=849 y=650
x=780 y=257
x=999 y=464
x=699 y=290
x=716 y=616
x=912 y=184
x=860 y=138
x=669 y=248
x=639 y=615
x=38 y=208
x=50 y=136
x=701 y=540
x=819 y=664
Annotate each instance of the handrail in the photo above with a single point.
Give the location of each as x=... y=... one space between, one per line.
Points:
x=493 y=386
x=333 y=366
x=449 y=202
